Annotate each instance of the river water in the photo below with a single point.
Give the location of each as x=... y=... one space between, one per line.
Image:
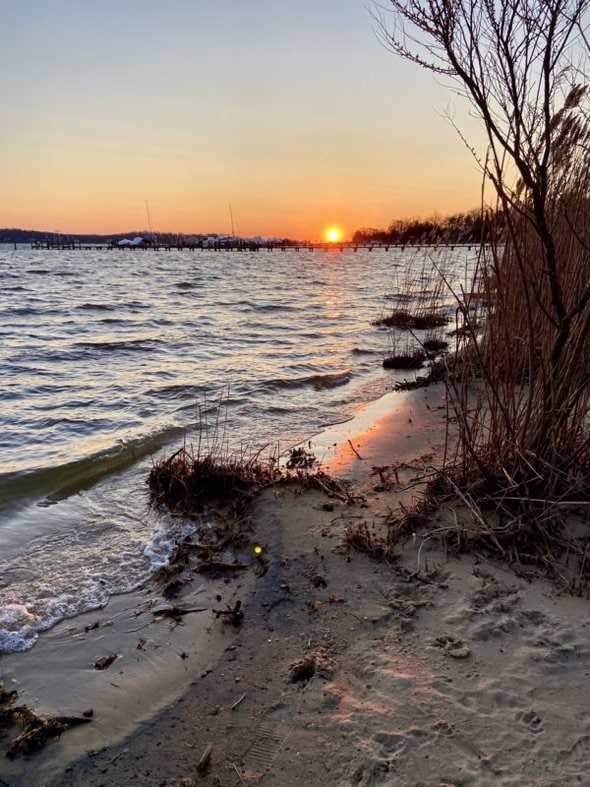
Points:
x=109 y=358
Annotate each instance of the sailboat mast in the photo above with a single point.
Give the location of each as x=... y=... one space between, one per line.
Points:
x=147 y=208
x=231 y=217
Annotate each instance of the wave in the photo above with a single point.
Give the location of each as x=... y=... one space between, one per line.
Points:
x=50 y=603
x=56 y=592
x=116 y=346
x=60 y=482
x=317 y=381
x=23 y=311
x=115 y=321
x=99 y=307
x=178 y=391
x=361 y=351
x=259 y=306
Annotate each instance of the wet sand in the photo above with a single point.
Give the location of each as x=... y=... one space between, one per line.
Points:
x=345 y=671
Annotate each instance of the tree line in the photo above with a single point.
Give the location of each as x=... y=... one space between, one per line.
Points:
x=469 y=227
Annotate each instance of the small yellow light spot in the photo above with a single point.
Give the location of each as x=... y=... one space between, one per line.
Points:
x=258 y=550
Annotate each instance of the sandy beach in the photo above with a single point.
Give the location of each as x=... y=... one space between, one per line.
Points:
x=345 y=670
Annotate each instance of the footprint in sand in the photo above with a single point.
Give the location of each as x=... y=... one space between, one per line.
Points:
x=455 y=648
x=532 y=721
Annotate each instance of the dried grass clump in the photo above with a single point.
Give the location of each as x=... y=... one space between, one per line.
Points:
x=422 y=292
x=434 y=345
x=550 y=544
x=412 y=360
x=405 y=320
x=188 y=482
x=212 y=486
x=361 y=538
x=524 y=452
x=209 y=475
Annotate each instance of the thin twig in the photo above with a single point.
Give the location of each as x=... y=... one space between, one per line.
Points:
x=354 y=450
x=238 y=702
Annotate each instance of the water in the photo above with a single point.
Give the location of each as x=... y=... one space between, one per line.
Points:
x=109 y=358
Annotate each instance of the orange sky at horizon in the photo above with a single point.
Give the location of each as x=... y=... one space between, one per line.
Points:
x=293 y=210
x=305 y=122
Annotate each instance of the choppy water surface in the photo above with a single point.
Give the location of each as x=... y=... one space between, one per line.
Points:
x=107 y=358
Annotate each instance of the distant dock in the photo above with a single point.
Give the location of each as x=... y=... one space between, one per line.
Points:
x=237 y=246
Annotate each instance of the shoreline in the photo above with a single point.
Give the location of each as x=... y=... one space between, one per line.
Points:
x=382 y=432
x=67 y=651
x=366 y=628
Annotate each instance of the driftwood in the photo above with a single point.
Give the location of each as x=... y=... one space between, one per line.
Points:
x=176 y=613
x=40 y=731
x=105 y=661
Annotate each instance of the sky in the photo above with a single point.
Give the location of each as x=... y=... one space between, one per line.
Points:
x=292 y=112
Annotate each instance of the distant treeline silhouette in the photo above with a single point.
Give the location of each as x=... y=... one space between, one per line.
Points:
x=16 y=235
x=23 y=236
x=470 y=227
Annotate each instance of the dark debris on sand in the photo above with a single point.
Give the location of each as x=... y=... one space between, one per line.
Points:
x=37 y=730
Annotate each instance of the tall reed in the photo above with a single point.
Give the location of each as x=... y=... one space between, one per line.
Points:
x=525 y=424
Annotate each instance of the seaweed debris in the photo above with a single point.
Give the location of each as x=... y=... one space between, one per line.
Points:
x=38 y=730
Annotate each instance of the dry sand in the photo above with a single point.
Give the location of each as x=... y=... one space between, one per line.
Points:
x=419 y=672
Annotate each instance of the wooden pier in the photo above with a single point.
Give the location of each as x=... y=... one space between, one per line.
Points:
x=238 y=246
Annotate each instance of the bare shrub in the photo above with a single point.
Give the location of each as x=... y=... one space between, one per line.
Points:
x=524 y=451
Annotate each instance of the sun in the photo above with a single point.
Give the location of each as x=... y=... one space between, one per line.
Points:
x=333 y=234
